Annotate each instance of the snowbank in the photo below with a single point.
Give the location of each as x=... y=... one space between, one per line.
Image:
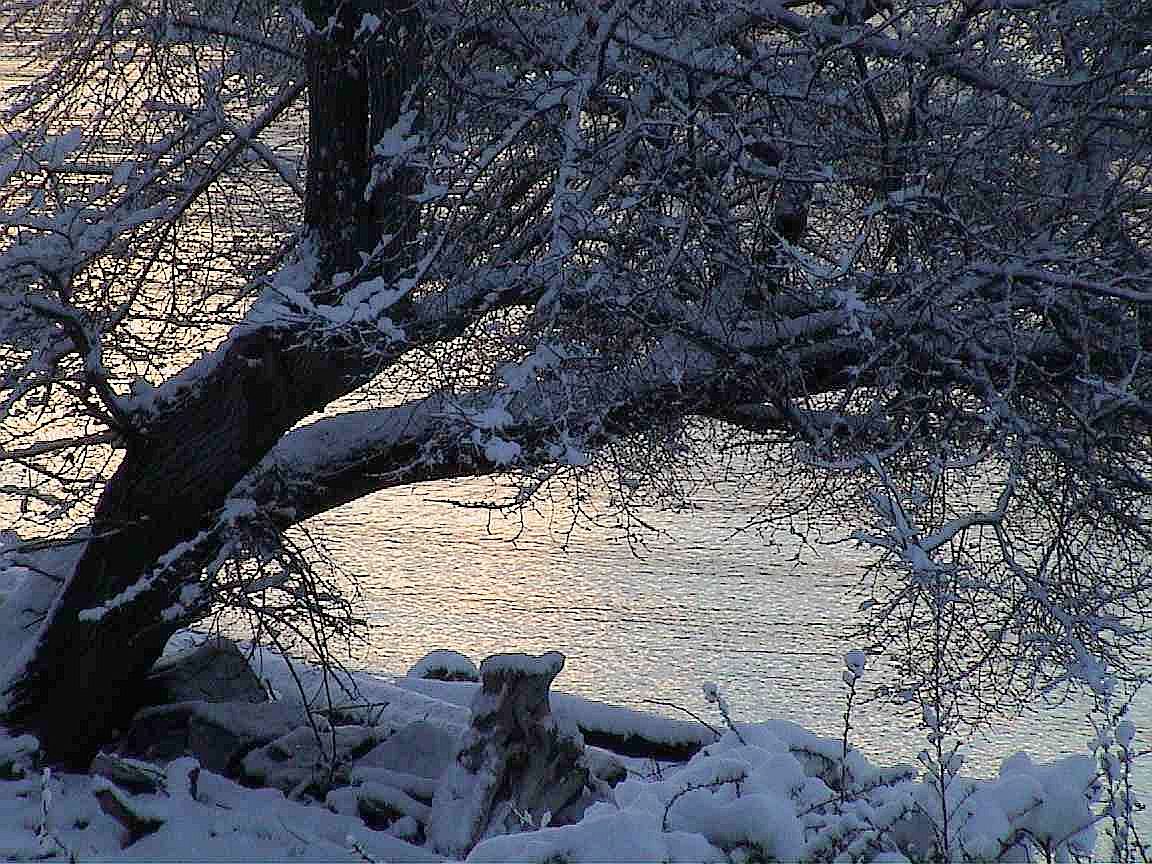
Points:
x=772 y=796
x=765 y=791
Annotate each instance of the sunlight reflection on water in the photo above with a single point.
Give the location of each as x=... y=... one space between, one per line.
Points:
x=702 y=604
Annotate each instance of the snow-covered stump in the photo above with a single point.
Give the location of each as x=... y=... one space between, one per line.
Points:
x=516 y=767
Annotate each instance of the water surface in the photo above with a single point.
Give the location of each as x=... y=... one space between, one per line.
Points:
x=702 y=602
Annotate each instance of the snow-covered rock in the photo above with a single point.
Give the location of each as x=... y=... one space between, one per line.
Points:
x=444 y=665
x=315 y=755
x=762 y=791
x=421 y=748
x=133 y=793
x=379 y=805
x=217 y=734
x=135 y=776
x=213 y=671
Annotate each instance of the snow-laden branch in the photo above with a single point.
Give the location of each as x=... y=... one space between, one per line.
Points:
x=87 y=342
x=559 y=418
x=220 y=27
x=41 y=448
x=1134 y=287
x=912 y=543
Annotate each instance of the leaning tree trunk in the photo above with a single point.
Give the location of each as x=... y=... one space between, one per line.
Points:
x=84 y=677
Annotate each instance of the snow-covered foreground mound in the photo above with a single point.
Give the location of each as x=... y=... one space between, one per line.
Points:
x=58 y=816
x=768 y=798
x=768 y=791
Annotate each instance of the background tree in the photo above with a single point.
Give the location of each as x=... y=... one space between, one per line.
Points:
x=900 y=255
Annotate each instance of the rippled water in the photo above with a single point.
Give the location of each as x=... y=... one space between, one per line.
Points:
x=702 y=603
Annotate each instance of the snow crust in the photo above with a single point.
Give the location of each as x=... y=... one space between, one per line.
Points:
x=630 y=835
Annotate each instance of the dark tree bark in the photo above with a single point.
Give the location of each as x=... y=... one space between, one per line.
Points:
x=89 y=675
x=86 y=678
x=357 y=87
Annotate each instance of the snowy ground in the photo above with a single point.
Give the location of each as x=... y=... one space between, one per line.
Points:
x=767 y=791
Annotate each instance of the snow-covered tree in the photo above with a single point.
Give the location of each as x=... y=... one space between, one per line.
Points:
x=900 y=253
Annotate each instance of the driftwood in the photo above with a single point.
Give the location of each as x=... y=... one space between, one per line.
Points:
x=639 y=746
x=516 y=768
